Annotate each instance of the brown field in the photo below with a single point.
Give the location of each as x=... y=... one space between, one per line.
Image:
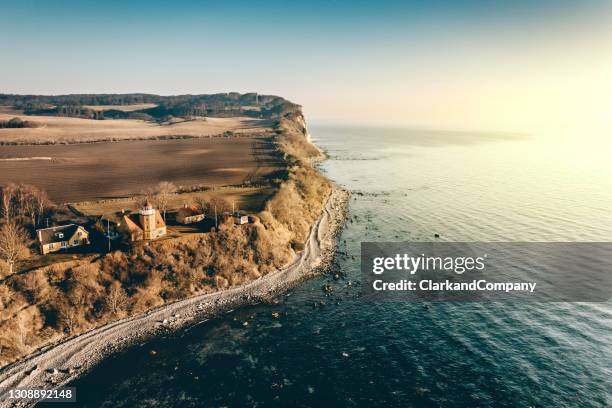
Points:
x=65 y=130
x=94 y=171
x=123 y=108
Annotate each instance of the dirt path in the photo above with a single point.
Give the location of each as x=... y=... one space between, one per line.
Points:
x=59 y=364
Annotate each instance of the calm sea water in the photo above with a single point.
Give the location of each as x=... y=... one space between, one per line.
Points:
x=338 y=351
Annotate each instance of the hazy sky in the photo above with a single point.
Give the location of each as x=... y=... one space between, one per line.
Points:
x=501 y=65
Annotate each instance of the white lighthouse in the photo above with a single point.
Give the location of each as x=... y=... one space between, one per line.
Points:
x=147 y=221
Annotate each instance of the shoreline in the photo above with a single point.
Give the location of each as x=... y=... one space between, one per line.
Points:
x=57 y=365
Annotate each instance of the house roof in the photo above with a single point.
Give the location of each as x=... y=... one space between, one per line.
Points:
x=159 y=221
x=132 y=221
x=189 y=211
x=57 y=234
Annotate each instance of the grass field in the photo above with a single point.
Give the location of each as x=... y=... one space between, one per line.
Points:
x=246 y=199
x=65 y=130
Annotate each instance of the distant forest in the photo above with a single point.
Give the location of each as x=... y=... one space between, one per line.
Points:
x=215 y=105
x=16 y=123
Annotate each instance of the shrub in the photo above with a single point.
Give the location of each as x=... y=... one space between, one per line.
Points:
x=17 y=123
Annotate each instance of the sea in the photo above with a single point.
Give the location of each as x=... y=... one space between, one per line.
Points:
x=329 y=348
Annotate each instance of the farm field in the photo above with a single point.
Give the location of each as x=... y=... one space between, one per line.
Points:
x=66 y=130
x=95 y=171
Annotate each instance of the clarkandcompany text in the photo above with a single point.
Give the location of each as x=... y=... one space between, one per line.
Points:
x=474 y=285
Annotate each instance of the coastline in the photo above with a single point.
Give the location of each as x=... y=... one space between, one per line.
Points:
x=59 y=364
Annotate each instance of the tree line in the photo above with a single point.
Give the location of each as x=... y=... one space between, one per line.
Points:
x=270 y=106
x=23 y=208
x=139 y=98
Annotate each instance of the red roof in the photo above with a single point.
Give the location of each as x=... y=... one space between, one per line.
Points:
x=159 y=221
x=132 y=221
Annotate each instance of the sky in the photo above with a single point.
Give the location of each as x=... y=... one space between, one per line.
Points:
x=516 y=66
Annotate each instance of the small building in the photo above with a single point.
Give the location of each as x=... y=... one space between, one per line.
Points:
x=189 y=215
x=62 y=237
x=241 y=219
x=146 y=224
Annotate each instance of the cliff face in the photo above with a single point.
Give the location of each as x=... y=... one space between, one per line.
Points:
x=62 y=300
x=294 y=140
x=297 y=121
x=303 y=194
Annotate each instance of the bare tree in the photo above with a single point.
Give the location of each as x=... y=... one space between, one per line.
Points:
x=116 y=298
x=69 y=316
x=222 y=205
x=41 y=199
x=163 y=192
x=201 y=203
x=13 y=243
x=29 y=202
x=21 y=197
x=8 y=195
x=24 y=200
